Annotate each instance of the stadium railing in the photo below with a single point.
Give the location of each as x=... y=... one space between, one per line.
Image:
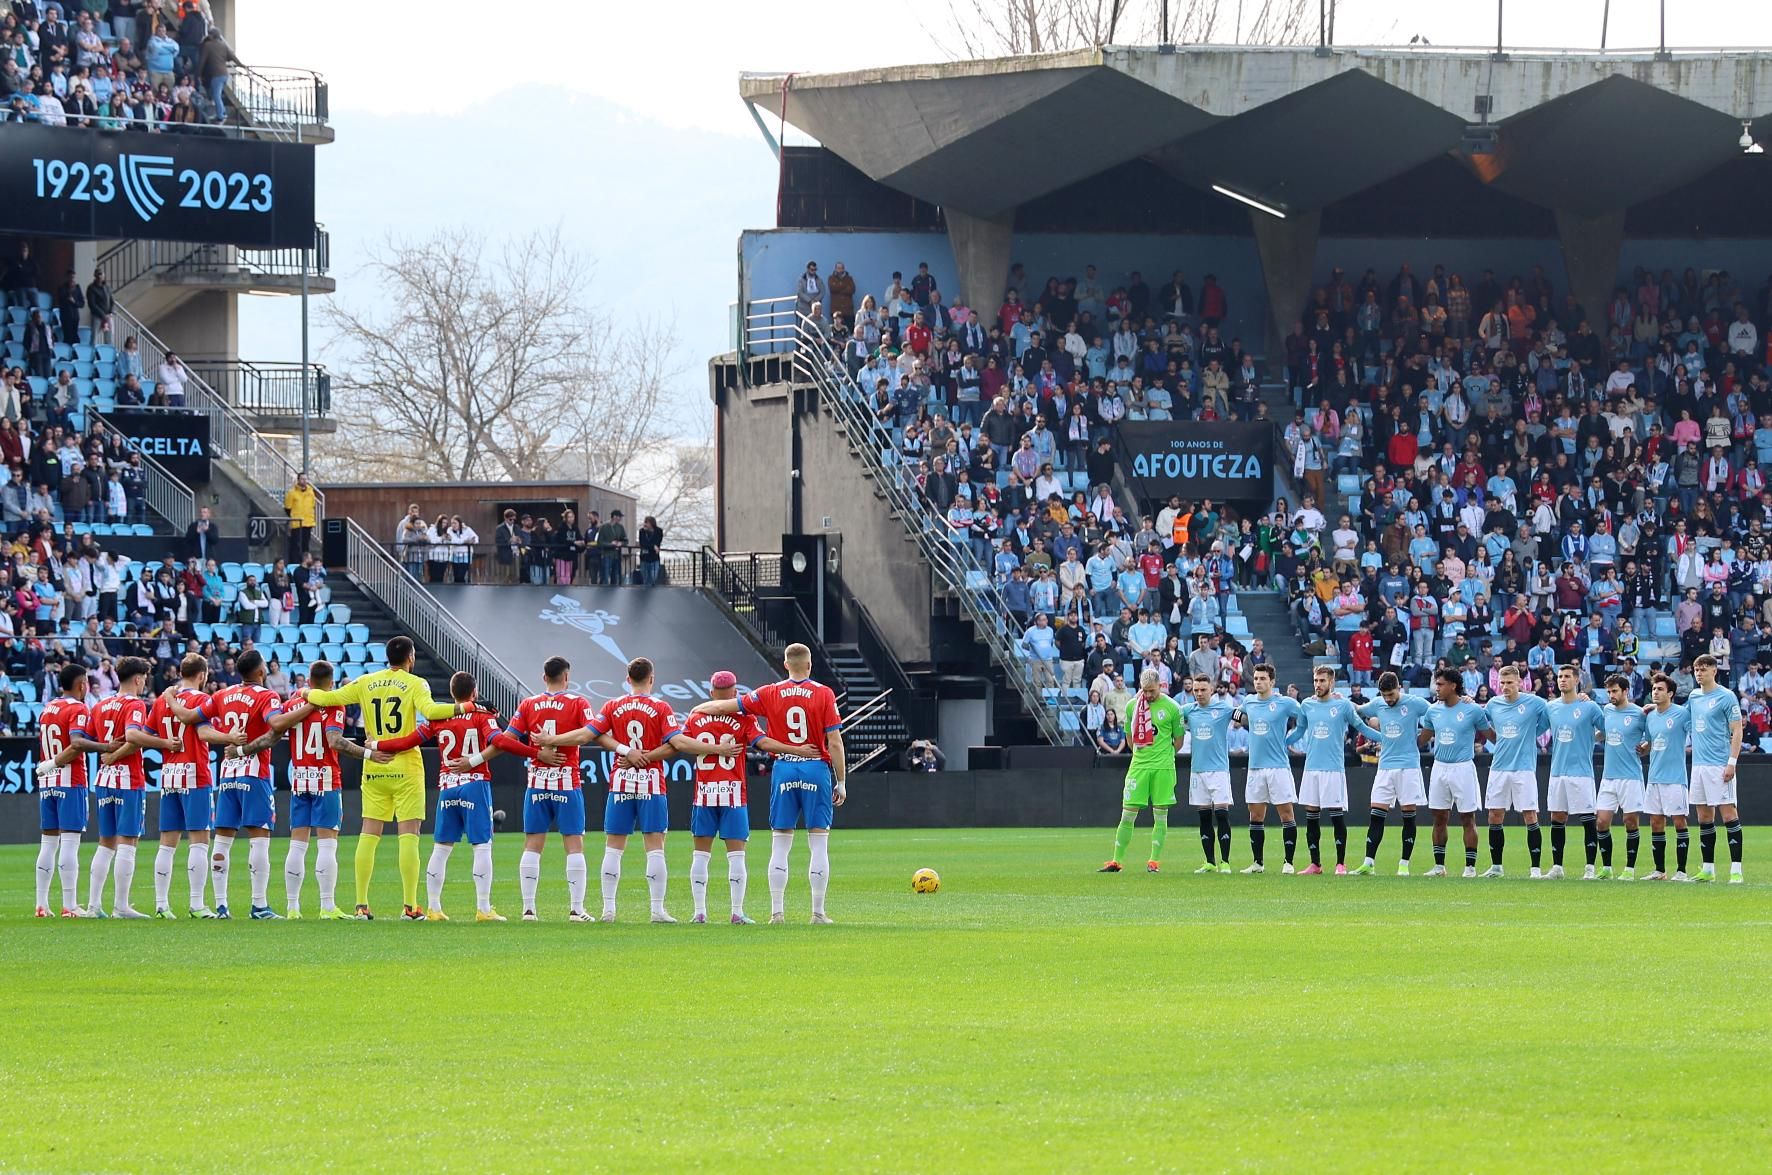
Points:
x=431 y=624
x=969 y=582
x=769 y=326
x=231 y=434
x=678 y=566
x=129 y=261
x=280 y=100
x=266 y=389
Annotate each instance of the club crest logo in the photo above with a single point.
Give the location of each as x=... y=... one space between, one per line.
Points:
x=594 y=624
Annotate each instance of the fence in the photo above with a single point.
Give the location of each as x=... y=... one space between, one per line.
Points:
x=437 y=564
x=128 y=262
x=380 y=575
x=266 y=389
x=284 y=101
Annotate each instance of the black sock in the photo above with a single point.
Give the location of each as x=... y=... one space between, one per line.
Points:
x=1257 y=840
x=1707 y=842
x=1439 y=854
x=1313 y=836
x=1605 y=839
x=1535 y=842
x=1658 y=850
x=1206 y=834
x=1224 y=835
x=1632 y=839
x=1470 y=857
x=1497 y=843
x=1590 y=838
x=1408 y=836
x=1682 y=845
x=1733 y=831
x=1374 y=834
x=1559 y=834
x=1289 y=838
x=1338 y=824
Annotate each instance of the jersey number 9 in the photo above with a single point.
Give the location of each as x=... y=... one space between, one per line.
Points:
x=796 y=722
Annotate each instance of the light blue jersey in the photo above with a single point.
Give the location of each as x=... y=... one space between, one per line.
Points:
x=1624 y=730
x=1667 y=744
x=1711 y=715
x=1398 y=727
x=1208 y=729
x=1517 y=725
x=1573 y=726
x=1455 y=729
x=1326 y=723
x=1267 y=722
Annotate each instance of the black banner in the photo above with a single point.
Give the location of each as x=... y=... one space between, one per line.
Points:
x=178 y=440
x=106 y=185
x=1226 y=461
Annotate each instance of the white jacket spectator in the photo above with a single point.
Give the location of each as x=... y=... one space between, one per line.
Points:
x=172 y=376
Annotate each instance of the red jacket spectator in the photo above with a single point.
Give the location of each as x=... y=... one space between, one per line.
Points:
x=1359 y=648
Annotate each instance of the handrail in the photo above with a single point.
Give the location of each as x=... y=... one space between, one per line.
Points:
x=972 y=584
x=267 y=389
x=429 y=622
x=912 y=707
x=279 y=99
x=230 y=434
x=165 y=494
x=129 y=261
x=769 y=326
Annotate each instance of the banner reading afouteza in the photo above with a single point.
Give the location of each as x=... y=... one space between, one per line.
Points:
x=65 y=182
x=1223 y=460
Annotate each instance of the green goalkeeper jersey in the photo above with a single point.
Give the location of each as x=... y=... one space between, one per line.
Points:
x=1167 y=717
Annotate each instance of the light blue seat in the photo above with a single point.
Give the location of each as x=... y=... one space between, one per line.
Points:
x=102 y=529
x=289 y=634
x=357 y=633
x=232 y=573
x=105 y=353
x=308 y=652
x=83 y=352
x=26 y=690
x=333 y=653
x=141 y=530
x=338 y=613
x=336 y=633
x=64 y=351
x=313 y=634
x=204 y=632
x=1237 y=626
x=85 y=369
x=356 y=651
x=1353 y=504
x=253 y=569
x=1347 y=483
x=1068 y=722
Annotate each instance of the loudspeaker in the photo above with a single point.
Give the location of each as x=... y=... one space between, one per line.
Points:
x=334 y=547
x=802 y=561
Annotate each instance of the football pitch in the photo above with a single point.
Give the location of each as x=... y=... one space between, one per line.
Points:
x=1033 y=1015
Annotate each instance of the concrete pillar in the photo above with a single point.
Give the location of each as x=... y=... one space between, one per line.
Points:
x=1591 y=248
x=1288 y=252
x=981 y=254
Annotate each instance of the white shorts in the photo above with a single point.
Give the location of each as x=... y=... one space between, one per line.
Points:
x=1398 y=785
x=1511 y=789
x=1665 y=799
x=1708 y=788
x=1572 y=794
x=1453 y=785
x=1209 y=789
x=1620 y=795
x=1323 y=789
x=1268 y=785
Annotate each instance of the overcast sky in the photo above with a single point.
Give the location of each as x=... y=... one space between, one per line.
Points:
x=621 y=122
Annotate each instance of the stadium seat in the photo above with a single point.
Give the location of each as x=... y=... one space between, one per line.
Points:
x=1068 y=723
x=84 y=372
x=357 y=633
x=1347 y=483
x=232 y=573
x=101 y=529
x=83 y=528
x=83 y=352
x=336 y=633
x=338 y=613
x=1665 y=628
x=322 y=613
x=289 y=634
x=313 y=634
x=356 y=651
x=18 y=314
x=378 y=654
x=226 y=632
x=64 y=351
x=26 y=690
x=105 y=353
x=203 y=632
x=1353 y=504
x=352 y=669
x=308 y=652
x=333 y=653
x=141 y=530
x=253 y=569
x=1237 y=626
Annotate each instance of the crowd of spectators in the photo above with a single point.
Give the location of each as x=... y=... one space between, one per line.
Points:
x=1520 y=485
x=532 y=548
x=155 y=65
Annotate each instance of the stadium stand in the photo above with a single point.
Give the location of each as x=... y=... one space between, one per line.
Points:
x=1485 y=474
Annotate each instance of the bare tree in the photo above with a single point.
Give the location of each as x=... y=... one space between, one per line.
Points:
x=994 y=28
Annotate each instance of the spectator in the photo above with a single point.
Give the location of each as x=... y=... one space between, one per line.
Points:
x=651 y=539
x=171 y=380
x=508 y=549
x=462 y=541
x=203 y=537
x=412 y=541
x=214 y=56
x=611 y=538
x=300 y=502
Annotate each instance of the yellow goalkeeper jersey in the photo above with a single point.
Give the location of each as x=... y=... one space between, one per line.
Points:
x=393 y=703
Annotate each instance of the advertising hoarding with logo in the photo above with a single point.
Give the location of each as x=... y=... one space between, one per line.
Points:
x=62 y=182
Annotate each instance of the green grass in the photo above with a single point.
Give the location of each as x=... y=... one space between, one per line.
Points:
x=1032 y=1016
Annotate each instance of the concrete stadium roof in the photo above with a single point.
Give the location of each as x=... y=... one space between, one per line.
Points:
x=1586 y=134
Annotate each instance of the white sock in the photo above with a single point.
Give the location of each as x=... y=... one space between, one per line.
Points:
x=197 y=871
x=611 y=877
x=780 y=844
x=295 y=871
x=818 y=872
x=326 y=871
x=46 y=847
x=529 y=878
x=698 y=880
x=483 y=877
x=163 y=875
x=655 y=879
x=68 y=865
x=435 y=871
x=125 y=867
x=258 y=870
x=577 y=875
x=99 y=873
x=220 y=852
x=738 y=875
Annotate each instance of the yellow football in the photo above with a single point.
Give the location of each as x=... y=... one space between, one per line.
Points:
x=925 y=881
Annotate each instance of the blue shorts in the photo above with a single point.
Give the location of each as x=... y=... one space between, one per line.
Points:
x=725 y=823
x=625 y=813
x=187 y=811
x=800 y=788
x=122 y=811
x=62 y=809
x=545 y=810
x=317 y=810
x=466 y=810
x=244 y=803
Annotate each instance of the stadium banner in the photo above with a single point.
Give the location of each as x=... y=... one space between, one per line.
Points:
x=108 y=185
x=177 y=439
x=1222 y=460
